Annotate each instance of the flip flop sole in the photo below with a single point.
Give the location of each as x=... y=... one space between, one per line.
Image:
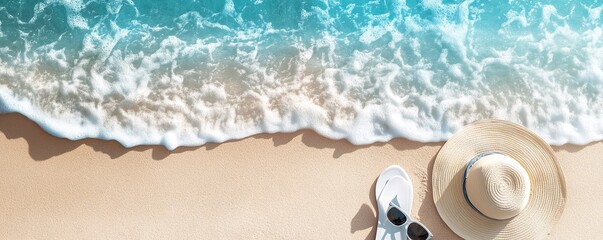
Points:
x=399 y=191
x=389 y=172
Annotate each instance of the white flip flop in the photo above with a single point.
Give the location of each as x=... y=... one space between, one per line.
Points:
x=397 y=190
x=389 y=172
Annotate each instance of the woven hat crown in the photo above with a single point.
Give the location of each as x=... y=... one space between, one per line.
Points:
x=497 y=186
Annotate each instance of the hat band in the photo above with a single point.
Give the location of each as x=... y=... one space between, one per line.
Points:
x=467 y=168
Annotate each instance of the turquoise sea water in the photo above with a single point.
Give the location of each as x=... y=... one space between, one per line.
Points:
x=190 y=72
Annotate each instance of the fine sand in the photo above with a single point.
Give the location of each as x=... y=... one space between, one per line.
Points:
x=278 y=186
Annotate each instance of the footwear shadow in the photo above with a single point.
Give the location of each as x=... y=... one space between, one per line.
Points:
x=366 y=217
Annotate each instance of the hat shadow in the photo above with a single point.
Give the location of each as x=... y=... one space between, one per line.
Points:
x=428 y=213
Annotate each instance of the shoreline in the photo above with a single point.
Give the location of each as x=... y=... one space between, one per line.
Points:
x=284 y=185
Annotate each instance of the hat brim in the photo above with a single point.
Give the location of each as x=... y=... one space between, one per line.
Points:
x=548 y=191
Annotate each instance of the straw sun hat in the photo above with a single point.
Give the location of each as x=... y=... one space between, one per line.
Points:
x=497 y=180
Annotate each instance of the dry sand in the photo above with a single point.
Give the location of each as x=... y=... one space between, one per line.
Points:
x=279 y=186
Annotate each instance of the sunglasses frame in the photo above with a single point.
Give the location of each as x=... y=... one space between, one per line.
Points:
x=409 y=220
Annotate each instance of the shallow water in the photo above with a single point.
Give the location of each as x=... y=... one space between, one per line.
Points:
x=190 y=72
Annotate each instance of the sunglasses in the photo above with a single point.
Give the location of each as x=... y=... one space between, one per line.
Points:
x=414 y=229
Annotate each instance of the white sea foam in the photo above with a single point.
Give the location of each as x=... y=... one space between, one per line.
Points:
x=210 y=71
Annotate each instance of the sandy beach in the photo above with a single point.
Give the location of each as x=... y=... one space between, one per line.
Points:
x=278 y=186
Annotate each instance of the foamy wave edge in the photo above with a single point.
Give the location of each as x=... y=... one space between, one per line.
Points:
x=62 y=129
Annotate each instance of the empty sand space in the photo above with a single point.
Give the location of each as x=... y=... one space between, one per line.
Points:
x=278 y=186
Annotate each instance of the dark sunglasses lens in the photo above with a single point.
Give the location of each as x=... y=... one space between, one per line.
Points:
x=396 y=217
x=417 y=232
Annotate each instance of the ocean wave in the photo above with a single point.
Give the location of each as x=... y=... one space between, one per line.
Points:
x=184 y=73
